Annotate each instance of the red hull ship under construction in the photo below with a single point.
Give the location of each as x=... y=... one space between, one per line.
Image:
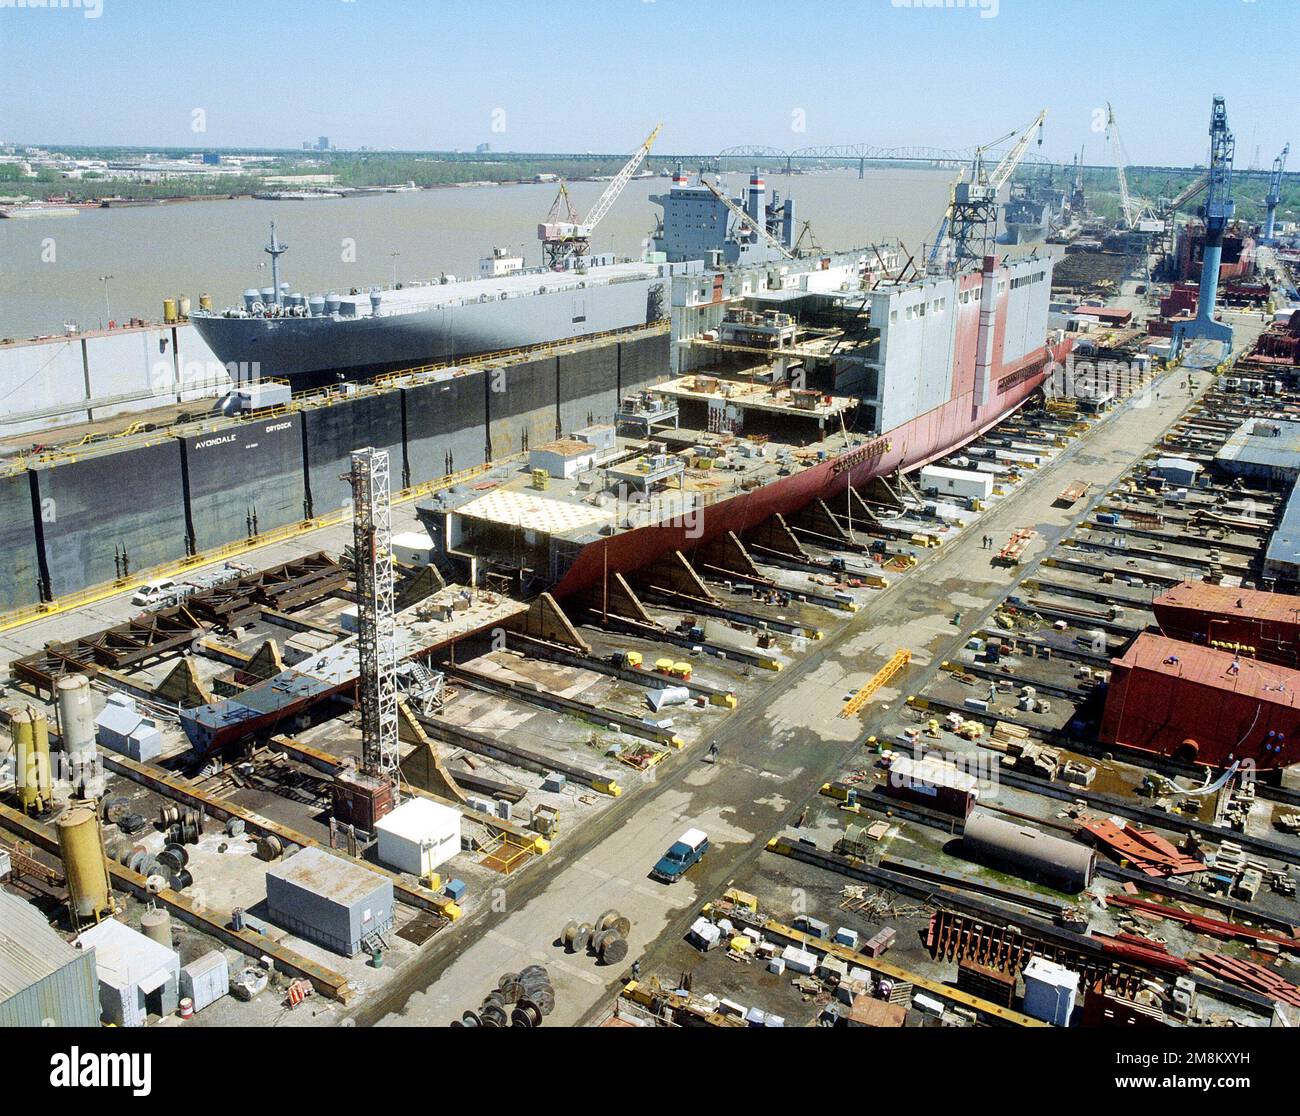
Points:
x=792 y=385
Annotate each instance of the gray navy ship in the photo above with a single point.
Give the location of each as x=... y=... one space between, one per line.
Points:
x=1032 y=211
x=318 y=339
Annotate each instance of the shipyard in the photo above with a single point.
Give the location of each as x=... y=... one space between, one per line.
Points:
x=708 y=609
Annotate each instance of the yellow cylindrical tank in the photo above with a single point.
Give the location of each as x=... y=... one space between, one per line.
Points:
x=33 y=778
x=81 y=846
x=205 y=302
x=169 y=311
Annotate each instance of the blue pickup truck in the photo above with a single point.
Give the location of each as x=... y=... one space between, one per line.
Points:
x=685 y=852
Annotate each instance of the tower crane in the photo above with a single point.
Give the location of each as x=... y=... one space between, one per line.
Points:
x=1274 y=194
x=372 y=550
x=757 y=226
x=971 y=219
x=1219 y=210
x=563 y=235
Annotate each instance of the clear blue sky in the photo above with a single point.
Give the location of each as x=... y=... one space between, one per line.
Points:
x=596 y=74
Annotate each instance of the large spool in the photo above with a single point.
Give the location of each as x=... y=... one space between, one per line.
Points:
x=81 y=847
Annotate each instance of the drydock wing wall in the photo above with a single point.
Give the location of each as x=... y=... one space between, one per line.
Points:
x=445 y=426
x=238 y=473
x=19 y=570
x=522 y=406
x=330 y=434
x=643 y=362
x=96 y=509
x=587 y=389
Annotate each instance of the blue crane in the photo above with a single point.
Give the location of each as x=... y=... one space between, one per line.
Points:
x=1274 y=193
x=1219 y=209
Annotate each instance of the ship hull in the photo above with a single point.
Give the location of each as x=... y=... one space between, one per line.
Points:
x=318 y=350
x=925 y=439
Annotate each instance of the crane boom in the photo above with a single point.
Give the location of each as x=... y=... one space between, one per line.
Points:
x=563 y=235
x=971 y=218
x=747 y=220
x=1189 y=193
x=1011 y=159
x=612 y=191
x=1274 y=195
x=1125 y=201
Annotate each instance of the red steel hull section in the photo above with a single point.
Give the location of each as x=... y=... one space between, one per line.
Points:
x=924 y=439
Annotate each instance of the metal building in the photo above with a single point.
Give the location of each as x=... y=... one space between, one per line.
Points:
x=326 y=900
x=43 y=980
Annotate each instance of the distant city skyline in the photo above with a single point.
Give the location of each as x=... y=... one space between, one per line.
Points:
x=454 y=75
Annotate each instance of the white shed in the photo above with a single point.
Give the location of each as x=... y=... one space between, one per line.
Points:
x=418 y=836
x=136 y=974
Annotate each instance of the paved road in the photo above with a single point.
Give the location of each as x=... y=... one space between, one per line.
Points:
x=777 y=750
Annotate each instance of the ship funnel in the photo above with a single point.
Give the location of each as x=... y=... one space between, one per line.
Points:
x=754 y=200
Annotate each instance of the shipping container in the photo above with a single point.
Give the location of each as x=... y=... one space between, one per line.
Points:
x=956 y=482
x=934 y=783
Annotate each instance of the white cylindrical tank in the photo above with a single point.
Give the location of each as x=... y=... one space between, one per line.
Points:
x=1028 y=852
x=76 y=718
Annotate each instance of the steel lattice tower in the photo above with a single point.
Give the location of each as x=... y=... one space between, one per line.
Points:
x=372 y=548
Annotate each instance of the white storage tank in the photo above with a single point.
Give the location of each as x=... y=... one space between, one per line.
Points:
x=418 y=836
x=1050 y=991
x=76 y=718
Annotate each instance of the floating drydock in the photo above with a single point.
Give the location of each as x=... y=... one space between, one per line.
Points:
x=794 y=384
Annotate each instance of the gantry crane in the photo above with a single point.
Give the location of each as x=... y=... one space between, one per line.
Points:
x=1219 y=210
x=563 y=235
x=970 y=222
x=745 y=219
x=1274 y=195
x=372 y=551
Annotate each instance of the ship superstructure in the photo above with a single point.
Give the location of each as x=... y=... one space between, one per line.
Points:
x=1032 y=211
x=697 y=223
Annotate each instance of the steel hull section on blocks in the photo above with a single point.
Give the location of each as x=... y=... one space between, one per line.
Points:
x=910 y=446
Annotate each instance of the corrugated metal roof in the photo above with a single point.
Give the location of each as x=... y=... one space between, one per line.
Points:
x=29 y=949
x=1284 y=545
x=126 y=957
x=323 y=873
x=1264 y=443
x=1223 y=600
x=1207 y=666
